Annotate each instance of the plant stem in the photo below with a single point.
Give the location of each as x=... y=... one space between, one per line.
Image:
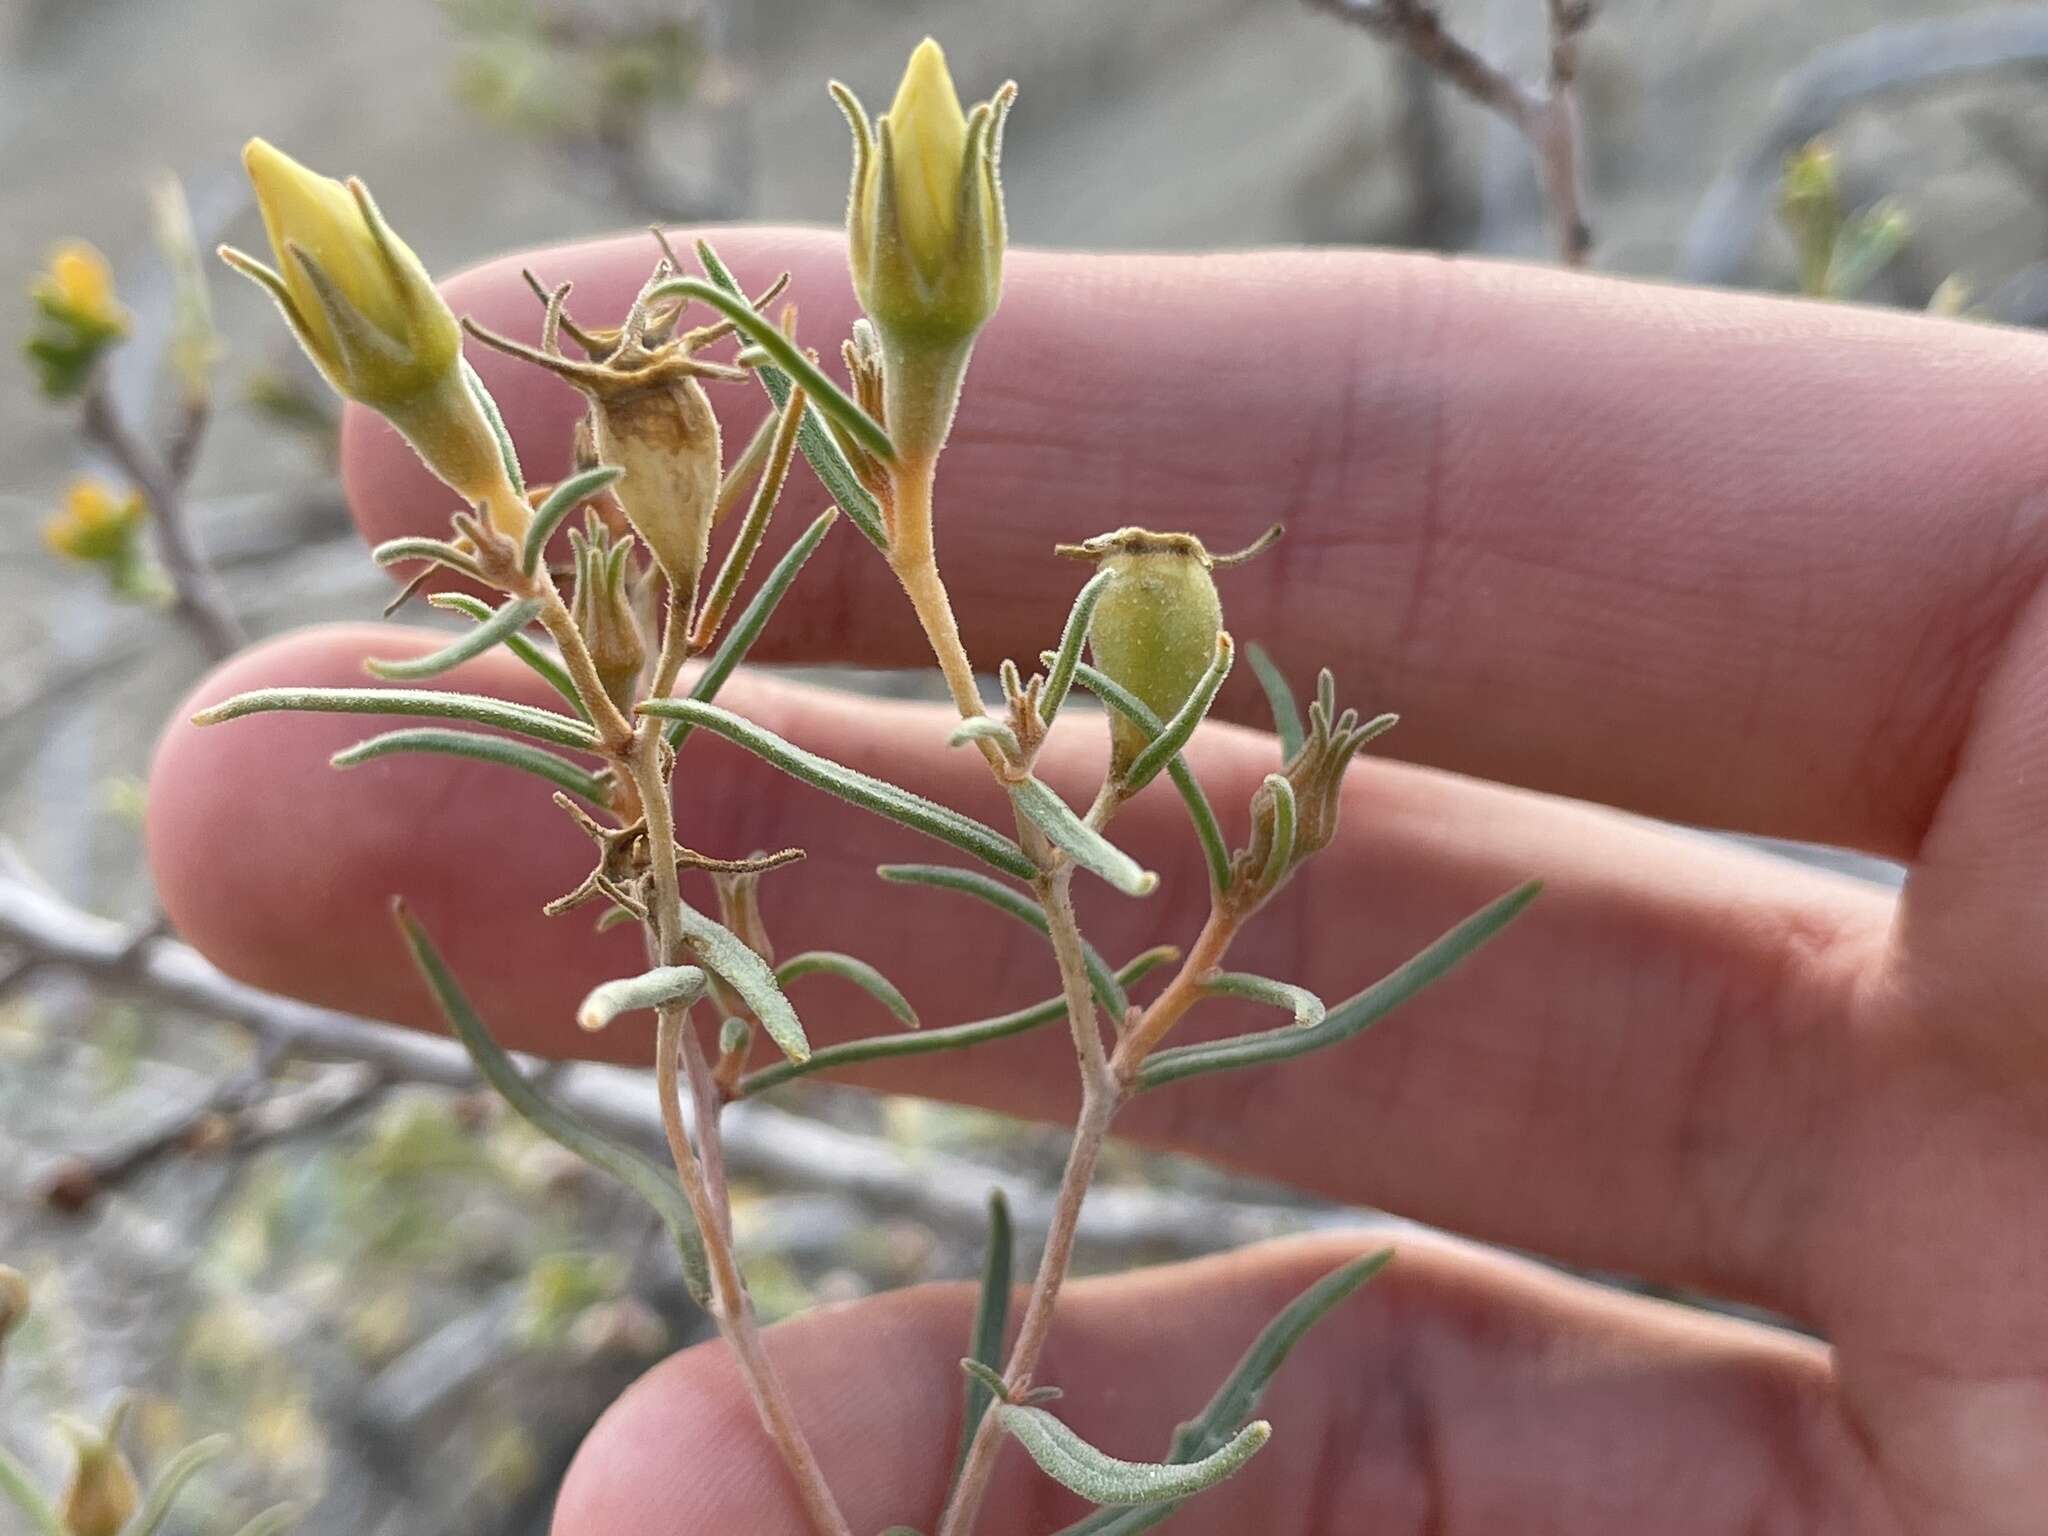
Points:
x=731 y=1306
x=1204 y=959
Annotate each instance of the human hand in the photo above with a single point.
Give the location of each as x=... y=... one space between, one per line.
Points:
x=1719 y=559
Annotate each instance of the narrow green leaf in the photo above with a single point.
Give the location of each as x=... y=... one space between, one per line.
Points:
x=1132 y=708
x=1013 y=903
x=652 y=1184
x=953 y=1037
x=1307 y=1008
x=496 y=421
x=558 y=504
x=502 y=750
x=1074 y=1464
x=1279 y=699
x=1352 y=1015
x=170 y=1482
x=991 y=1321
x=274 y=1521
x=1079 y=841
x=847 y=968
x=478 y=709
x=436 y=551
x=508 y=620
x=1059 y=677
x=744 y=631
x=1175 y=733
x=767 y=493
x=1286 y=818
x=1238 y=1398
x=20 y=1489
x=813 y=438
x=985 y=728
x=727 y=956
x=884 y=799
x=829 y=397
x=650 y=989
x=545 y=664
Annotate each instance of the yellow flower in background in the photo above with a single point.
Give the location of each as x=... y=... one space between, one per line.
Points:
x=78 y=318
x=80 y=284
x=97 y=523
x=367 y=313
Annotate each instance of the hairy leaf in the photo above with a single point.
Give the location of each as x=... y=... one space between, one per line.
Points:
x=547 y=666
x=20 y=1489
x=1073 y=1463
x=1174 y=734
x=952 y=1037
x=856 y=788
x=1349 y=1017
x=1079 y=841
x=1279 y=699
x=650 y=989
x=496 y=421
x=558 y=504
x=501 y=750
x=477 y=708
x=871 y=981
x=170 y=1482
x=727 y=956
x=1307 y=1008
x=436 y=551
x=991 y=1321
x=657 y=1187
x=1059 y=677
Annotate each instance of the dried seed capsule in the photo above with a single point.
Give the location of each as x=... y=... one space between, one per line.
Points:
x=1155 y=626
x=603 y=611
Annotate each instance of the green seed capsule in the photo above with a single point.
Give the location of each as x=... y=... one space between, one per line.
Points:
x=1155 y=625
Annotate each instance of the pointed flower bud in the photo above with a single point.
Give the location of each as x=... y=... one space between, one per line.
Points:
x=603 y=610
x=1315 y=779
x=366 y=312
x=78 y=318
x=926 y=233
x=102 y=1496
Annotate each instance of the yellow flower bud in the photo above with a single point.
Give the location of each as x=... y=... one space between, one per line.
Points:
x=97 y=523
x=926 y=233
x=82 y=284
x=366 y=312
x=1155 y=625
x=102 y=1496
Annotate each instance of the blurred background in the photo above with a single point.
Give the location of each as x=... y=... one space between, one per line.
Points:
x=405 y=1308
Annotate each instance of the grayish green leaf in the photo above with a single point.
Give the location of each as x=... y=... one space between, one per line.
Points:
x=1059 y=677
x=496 y=419
x=650 y=989
x=1238 y=1398
x=953 y=1037
x=1307 y=1008
x=436 y=551
x=1079 y=841
x=856 y=788
x=1074 y=1464
x=1286 y=816
x=654 y=1185
x=545 y=664
x=1175 y=733
x=847 y=968
x=991 y=1322
x=558 y=504
x=1349 y=1017
x=502 y=750
x=741 y=634
x=20 y=1489
x=1134 y=709
x=1279 y=699
x=986 y=728
x=727 y=956
x=170 y=1482
x=477 y=708
x=1013 y=903
x=274 y=1521
x=508 y=620
x=813 y=438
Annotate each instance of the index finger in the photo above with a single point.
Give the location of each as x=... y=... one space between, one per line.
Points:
x=1726 y=559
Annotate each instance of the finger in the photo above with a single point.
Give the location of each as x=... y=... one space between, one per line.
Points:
x=1460 y=1393
x=1629 y=1035
x=1725 y=559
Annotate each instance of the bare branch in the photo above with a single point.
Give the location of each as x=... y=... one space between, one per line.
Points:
x=1548 y=119
x=1887 y=62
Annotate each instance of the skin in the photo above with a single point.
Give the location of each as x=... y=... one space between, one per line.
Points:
x=1608 y=548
